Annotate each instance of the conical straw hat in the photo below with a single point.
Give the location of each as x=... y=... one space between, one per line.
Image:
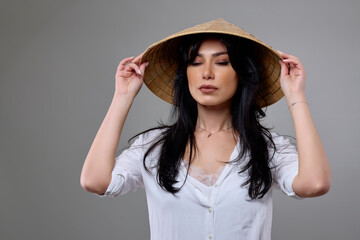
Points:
x=162 y=57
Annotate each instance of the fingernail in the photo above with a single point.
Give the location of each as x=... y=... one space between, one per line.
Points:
x=139 y=71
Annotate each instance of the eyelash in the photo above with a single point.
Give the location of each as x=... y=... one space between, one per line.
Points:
x=224 y=63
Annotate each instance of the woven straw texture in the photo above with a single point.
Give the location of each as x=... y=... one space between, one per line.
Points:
x=162 y=57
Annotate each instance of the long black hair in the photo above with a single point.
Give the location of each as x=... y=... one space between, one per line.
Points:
x=255 y=139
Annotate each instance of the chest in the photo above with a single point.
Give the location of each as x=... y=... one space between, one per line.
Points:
x=227 y=196
x=211 y=153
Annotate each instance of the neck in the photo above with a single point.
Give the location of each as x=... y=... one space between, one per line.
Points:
x=213 y=118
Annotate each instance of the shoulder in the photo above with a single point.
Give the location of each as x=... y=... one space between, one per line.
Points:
x=148 y=137
x=141 y=143
x=282 y=147
x=280 y=140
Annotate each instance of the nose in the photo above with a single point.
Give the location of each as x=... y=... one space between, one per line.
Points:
x=208 y=71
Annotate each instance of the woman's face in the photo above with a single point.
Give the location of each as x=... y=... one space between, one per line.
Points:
x=212 y=80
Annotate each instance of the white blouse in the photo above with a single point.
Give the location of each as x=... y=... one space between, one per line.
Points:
x=220 y=209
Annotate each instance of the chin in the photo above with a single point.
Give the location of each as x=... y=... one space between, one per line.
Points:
x=206 y=102
x=213 y=103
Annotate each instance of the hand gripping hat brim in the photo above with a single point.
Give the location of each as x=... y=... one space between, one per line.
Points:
x=162 y=57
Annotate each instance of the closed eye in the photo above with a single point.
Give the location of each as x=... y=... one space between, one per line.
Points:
x=195 y=63
x=223 y=63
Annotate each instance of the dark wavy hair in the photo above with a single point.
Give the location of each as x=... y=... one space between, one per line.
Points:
x=246 y=115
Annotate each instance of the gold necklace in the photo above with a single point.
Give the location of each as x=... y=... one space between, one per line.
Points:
x=211 y=133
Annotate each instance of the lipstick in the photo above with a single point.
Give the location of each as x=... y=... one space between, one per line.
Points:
x=208 y=88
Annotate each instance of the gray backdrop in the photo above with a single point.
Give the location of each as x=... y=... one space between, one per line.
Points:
x=58 y=60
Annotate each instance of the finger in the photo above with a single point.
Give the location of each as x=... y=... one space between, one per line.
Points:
x=284 y=68
x=289 y=58
x=132 y=67
x=124 y=62
x=143 y=66
x=137 y=59
x=293 y=63
x=285 y=55
x=125 y=74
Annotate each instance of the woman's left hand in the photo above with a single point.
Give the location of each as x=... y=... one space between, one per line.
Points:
x=292 y=78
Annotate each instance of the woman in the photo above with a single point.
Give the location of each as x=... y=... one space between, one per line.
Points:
x=210 y=173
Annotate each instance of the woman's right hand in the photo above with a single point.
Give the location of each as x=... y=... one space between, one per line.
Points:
x=129 y=76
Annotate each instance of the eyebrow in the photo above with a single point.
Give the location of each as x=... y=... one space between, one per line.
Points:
x=214 y=54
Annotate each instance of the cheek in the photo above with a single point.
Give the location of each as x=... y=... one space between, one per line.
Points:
x=190 y=73
x=233 y=80
x=191 y=78
x=233 y=84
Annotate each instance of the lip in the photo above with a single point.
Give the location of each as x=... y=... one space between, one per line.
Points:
x=207 y=88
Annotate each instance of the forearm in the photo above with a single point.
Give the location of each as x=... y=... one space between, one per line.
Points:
x=314 y=175
x=98 y=165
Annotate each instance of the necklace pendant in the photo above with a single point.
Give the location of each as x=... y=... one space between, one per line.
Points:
x=209 y=135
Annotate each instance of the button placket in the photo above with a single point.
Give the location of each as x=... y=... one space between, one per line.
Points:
x=211 y=210
x=211 y=215
x=210 y=221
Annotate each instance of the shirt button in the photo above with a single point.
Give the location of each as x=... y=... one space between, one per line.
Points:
x=210 y=237
x=210 y=210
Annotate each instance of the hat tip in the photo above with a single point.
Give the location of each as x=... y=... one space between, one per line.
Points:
x=219 y=20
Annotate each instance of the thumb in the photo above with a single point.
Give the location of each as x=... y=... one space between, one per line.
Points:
x=284 y=68
x=143 y=66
